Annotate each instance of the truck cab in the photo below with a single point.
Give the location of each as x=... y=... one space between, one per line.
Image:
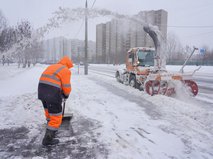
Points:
x=139 y=61
x=140 y=58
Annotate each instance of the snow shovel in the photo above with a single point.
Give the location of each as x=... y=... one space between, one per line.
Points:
x=66 y=116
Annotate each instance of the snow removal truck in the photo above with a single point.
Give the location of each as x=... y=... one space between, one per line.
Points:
x=144 y=71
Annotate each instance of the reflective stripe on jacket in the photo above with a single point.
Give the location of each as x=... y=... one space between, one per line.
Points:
x=57 y=75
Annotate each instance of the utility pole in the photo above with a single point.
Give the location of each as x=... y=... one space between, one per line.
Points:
x=86 y=41
x=78 y=60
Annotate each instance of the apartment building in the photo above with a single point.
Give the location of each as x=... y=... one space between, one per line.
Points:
x=114 y=38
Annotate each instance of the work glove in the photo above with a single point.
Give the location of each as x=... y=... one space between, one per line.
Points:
x=64 y=96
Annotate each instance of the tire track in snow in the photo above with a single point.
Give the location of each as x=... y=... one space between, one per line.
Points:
x=149 y=107
x=189 y=135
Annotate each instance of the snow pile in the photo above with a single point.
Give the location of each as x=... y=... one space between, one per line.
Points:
x=14 y=81
x=122 y=121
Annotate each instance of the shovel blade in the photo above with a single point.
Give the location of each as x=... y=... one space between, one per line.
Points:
x=67 y=117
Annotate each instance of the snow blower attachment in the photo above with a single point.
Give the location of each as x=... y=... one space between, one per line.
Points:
x=65 y=116
x=145 y=70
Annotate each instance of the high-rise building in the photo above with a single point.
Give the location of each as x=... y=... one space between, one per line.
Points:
x=117 y=40
x=114 y=38
x=101 y=46
x=78 y=50
x=156 y=18
x=55 y=48
x=108 y=42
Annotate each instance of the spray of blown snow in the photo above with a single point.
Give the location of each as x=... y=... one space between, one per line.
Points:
x=182 y=92
x=64 y=15
x=67 y=15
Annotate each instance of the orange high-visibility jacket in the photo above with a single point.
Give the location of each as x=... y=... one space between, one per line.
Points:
x=58 y=75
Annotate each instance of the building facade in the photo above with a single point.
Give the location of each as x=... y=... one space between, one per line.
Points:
x=101 y=45
x=55 y=48
x=114 y=38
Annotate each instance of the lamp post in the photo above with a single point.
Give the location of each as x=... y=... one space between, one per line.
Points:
x=86 y=41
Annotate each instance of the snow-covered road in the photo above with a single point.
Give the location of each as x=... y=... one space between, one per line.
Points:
x=204 y=77
x=111 y=120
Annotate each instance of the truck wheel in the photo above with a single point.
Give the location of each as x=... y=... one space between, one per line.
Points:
x=133 y=82
x=192 y=86
x=152 y=87
x=117 y=76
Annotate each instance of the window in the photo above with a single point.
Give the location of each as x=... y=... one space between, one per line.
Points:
x=131 y=58
x=146 y=58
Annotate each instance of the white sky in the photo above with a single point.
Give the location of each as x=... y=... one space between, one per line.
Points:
x=180 y=13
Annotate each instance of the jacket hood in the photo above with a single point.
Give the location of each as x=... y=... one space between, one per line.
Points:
x=66 y=61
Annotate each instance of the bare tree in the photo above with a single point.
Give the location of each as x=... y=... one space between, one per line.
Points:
x=34 y=53
x=7 y=38
x=24 y=34
x=173 y=46
x=3 y=21
x=205 y=56
x=3 y=24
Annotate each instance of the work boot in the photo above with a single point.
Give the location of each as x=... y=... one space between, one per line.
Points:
x=54 y=132
x=49 y=138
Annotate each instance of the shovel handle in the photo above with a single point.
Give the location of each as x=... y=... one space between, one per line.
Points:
x=64 y=101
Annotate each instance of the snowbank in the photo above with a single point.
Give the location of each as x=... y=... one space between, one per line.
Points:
x=124 y=122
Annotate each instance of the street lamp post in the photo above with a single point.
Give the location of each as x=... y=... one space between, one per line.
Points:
x=78 y=60
x=86 y=41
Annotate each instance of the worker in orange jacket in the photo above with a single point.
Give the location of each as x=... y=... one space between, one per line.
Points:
x=54 y=84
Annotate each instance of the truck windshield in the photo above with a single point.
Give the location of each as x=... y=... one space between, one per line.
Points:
x=146 y=58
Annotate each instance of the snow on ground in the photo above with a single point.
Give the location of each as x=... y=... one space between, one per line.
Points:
x=175 y=68
x=189 y=119
x=111 y=120
x=203 y=77
x=16 y=81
